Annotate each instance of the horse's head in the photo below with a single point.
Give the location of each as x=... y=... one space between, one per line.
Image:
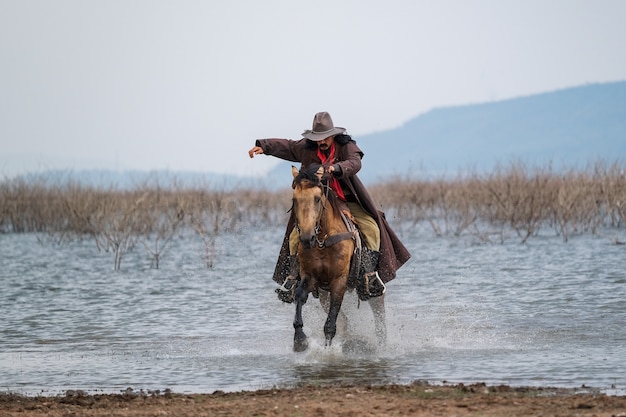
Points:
x=308 y=202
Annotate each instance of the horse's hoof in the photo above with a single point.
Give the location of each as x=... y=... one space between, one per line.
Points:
x=300 y=345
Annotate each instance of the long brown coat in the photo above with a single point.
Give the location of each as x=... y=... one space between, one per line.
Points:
x=393 y=254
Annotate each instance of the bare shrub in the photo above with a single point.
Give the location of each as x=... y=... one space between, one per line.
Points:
x=514 y=197
x=611 y=181
x=162 y=218
x=263 y=207
x=402 y=200
x=519 y=197
x=211 y=214
x=117 y=223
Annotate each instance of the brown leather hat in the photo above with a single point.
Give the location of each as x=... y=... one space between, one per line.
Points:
x=323 y=127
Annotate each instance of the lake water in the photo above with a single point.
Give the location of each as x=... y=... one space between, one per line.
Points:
x=546 y=313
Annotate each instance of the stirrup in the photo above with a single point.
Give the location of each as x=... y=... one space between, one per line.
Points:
x=370 y=286
x=375 y=284
x=286 y=292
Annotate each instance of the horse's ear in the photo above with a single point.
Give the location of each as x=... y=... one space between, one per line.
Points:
x=319 y=173
x=295 y=173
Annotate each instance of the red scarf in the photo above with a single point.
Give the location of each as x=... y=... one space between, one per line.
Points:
x=333 y=182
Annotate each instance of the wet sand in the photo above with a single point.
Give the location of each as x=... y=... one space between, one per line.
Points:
x=418 y=399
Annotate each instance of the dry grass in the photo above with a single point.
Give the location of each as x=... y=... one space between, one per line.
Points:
x=514 y=199
x=149 y=215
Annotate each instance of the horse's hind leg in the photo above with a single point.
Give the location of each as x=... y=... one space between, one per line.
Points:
x=378 y=309
x=299 y=339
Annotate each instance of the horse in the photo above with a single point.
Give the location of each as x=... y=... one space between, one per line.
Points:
x=325 y=251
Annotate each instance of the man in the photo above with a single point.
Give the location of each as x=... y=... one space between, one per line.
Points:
x=330 y=146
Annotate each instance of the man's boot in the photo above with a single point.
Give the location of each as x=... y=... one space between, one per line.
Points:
x=287 y=290
x=369 y=283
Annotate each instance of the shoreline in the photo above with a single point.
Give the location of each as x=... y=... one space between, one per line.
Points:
x=142 y=392
x=418 y=398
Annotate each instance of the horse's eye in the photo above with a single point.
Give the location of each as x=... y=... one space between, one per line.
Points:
x=318 y=199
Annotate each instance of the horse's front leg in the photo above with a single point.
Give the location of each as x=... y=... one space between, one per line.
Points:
x=342 y=319
x=380 y=326
x=300 y=343
x=330 y=327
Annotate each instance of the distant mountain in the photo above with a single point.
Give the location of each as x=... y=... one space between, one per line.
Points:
x=133 y=179
x=567 y=128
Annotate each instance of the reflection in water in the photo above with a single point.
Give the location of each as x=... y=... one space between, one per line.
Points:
x=345 y=371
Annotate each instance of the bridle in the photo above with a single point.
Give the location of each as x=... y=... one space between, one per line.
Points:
x=326 y=241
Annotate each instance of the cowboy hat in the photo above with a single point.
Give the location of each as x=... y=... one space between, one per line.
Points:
x=323 y=127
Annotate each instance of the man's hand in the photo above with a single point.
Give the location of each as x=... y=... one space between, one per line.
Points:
x=334 y=170
x=257 y=150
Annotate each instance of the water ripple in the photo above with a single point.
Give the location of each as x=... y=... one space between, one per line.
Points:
x=543 y=313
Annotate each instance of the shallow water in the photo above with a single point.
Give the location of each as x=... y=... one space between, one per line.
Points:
x=546 y=313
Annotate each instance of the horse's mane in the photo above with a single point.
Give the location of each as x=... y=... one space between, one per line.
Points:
x=309 y=175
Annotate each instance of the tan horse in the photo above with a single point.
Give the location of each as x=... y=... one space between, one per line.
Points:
x=326 y=247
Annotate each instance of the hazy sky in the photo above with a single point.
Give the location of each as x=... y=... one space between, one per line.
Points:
x=190 y=85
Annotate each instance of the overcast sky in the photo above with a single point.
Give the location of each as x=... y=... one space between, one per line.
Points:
x=189 y=85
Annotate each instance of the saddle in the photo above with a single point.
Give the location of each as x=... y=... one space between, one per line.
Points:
x=362 y=275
